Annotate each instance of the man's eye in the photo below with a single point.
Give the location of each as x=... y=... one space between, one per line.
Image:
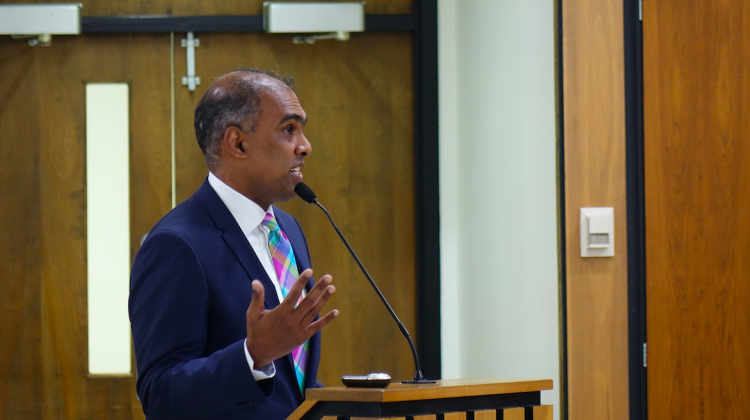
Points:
x=289 y=129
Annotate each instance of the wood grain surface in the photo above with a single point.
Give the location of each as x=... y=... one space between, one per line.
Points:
x=20 y=233
x=445 y=389
x=43 y=347
x=359 y=102
x=543 y=412
x=697 y=155
x=514 y=414
x=594 y=136
x=485 y=415
x=208 y=8
x=449 y=388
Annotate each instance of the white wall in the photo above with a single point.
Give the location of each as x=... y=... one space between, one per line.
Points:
x=498 y=199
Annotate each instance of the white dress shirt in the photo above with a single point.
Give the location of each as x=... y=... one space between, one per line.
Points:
x=249 y=216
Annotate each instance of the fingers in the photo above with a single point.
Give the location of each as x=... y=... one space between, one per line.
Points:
x=322 y=322
x=256 y=302
x=317 y=305
x=274 y=333
x=309 y=307
x=299 y=285
x=320 y=287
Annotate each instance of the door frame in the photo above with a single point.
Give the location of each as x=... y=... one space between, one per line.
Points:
x=636 y=209
x=422 y=23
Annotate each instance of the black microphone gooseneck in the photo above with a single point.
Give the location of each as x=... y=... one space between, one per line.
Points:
x=307 y=194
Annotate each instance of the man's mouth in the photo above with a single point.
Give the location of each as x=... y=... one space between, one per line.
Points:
x=296 y=173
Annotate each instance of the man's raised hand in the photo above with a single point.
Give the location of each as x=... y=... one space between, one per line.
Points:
x=274 y=333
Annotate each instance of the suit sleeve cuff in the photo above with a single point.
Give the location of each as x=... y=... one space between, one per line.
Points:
x=265 y=372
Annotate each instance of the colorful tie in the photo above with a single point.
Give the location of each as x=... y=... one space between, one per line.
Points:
x=286 y=270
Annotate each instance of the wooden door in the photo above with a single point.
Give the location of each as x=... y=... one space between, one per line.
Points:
x=697 y=163
x=43 y=333
x=358 y=95
x=359 y=101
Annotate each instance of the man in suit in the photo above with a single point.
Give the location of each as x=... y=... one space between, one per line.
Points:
x=223 y=307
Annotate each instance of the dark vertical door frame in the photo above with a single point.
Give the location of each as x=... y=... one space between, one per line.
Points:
x=561 y=233
x=426 y=145
x=633 y=36
x=423 y=25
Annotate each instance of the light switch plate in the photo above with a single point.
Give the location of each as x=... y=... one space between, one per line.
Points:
x=599 y=222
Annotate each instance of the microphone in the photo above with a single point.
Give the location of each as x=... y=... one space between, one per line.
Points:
x=307 y=194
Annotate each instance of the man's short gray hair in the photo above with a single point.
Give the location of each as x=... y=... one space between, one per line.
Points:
x=238 y=105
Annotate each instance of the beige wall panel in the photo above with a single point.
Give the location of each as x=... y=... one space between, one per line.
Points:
x=594 y=135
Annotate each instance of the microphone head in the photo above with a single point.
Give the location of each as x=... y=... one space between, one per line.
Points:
x=304 y=192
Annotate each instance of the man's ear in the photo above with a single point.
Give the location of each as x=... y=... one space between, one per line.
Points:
x=234 y=142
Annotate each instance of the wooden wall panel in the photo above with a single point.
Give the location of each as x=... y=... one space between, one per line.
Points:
x=485 y=415
x=697 y=160
x=359 y=101
x=594 y=135
x=198 y=8
x=20 y=260
x=46 y=355
x=543 y=412
x=514 y=414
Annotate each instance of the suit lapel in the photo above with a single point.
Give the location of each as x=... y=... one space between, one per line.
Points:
x=243 y=251
x=236 y=241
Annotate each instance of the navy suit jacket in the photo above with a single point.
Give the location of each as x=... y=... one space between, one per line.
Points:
x=190 y=287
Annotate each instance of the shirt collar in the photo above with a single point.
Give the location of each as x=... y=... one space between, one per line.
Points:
x=246 y=212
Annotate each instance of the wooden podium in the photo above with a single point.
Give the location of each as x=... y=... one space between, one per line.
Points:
x=457 y=399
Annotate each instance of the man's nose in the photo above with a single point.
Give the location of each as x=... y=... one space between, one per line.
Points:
x=304 y=148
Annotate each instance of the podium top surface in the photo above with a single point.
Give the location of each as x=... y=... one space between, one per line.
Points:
x=449 y=388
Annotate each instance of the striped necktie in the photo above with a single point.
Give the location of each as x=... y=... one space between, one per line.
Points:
x=286 y=270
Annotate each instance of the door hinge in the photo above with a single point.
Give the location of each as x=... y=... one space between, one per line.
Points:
x=645 y=355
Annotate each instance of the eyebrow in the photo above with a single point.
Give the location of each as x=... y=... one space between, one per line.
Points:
x=295 y=117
